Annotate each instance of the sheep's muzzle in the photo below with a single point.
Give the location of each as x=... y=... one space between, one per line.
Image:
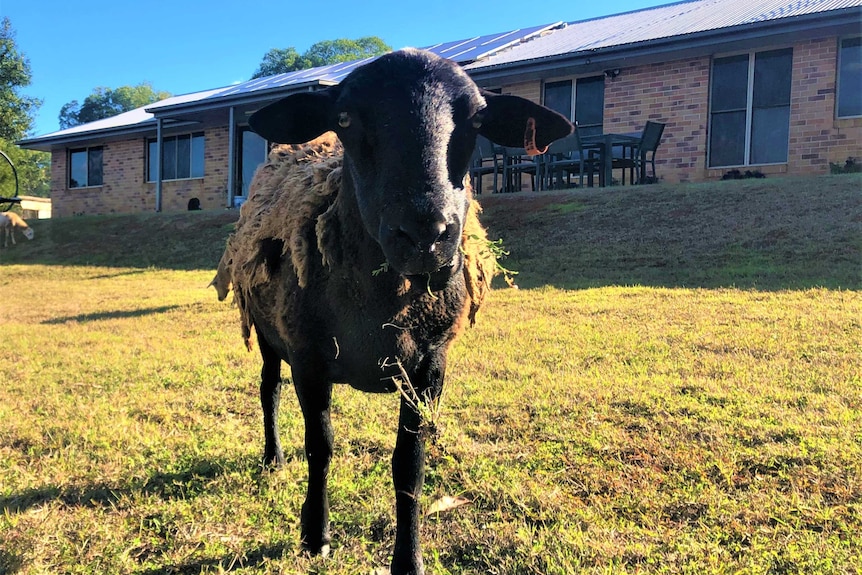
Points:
x=421 y=245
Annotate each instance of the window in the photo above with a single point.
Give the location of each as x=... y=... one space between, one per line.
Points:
x=252 y=153
x=850 y=78
x=182 y=157
x=750 y=109
x=585 y=95
x=85 y=167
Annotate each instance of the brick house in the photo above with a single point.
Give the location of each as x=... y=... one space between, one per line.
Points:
x=771 y=85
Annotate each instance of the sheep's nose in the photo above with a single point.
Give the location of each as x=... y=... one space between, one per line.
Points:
x=425 y=234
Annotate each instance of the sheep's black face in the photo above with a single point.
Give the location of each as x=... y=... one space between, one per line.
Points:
x=406 y=124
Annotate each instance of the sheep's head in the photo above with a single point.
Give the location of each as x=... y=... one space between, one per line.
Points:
x=408 y=121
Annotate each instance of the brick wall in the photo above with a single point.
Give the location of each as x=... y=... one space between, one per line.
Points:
x=530 y=90
x=817 y=137
x=124 y=187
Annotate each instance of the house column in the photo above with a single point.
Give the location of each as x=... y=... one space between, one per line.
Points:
x=231 y=156
x=158 y=164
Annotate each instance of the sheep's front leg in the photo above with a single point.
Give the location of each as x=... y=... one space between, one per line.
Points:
x=270 y=396
x=314 y=398
x=408 y=470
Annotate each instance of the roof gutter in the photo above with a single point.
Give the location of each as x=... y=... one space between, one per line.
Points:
x=47 y=143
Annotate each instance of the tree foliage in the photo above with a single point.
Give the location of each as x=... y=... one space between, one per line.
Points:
x=278 y=61
x=281 y=60
x=16 y=110
x=107 y=102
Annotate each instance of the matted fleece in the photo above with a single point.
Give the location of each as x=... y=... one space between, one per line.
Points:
x=294 y=191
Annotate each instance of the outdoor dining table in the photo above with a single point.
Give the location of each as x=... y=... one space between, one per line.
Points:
x=605 y=143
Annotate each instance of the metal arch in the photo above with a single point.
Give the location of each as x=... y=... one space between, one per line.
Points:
x=14 y=199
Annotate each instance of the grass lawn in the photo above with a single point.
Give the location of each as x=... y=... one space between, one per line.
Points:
x=675 y=388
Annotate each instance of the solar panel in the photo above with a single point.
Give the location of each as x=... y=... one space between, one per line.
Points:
x=471 y=49
x=332 y=73
x=461 y=51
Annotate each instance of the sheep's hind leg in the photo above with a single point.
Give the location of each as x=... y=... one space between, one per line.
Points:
x=270 y=395
x=314 y=398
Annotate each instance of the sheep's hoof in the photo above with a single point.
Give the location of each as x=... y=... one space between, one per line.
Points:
x=323 y=551
x=273 y=462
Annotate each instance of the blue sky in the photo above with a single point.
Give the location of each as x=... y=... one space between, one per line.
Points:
x=183 y=46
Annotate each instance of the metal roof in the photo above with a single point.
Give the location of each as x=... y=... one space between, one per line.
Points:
x=667 y=21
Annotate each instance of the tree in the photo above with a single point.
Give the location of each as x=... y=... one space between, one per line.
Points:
x=343 y=50
x=16 y=110
x=16 y=120
x=279 y=61
x=107 y=102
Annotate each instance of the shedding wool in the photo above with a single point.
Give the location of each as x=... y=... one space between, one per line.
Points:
x=291 y=198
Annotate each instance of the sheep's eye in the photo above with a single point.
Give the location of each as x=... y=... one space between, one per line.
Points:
x=344 y=119
x=478 y=118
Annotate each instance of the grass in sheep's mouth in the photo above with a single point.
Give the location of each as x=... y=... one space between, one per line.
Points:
x=650 y=428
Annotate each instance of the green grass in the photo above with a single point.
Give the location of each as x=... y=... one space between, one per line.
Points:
x=668 y=392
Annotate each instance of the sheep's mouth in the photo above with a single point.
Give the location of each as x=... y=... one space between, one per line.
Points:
x=438 y=279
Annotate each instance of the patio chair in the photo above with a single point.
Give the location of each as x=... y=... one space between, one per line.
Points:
x=485 y=161
x=566 y=157
x=634 y=158
x=650 y=141
x=516 y=163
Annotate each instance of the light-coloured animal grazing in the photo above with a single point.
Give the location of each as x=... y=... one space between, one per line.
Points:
x=359 y=259
x=9 y=222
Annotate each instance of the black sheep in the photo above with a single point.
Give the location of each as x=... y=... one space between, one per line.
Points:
x=369 y=281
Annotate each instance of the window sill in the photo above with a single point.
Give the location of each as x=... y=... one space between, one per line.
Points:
x=177 y=180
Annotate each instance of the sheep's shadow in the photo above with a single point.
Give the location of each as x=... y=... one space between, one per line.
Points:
x=184 y=484
x=117 y=274
x=105 y=315
x=226 y=564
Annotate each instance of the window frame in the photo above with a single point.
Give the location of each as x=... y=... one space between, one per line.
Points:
x=838 y=82
x=87 y=150
x=174 y=140
x=574 y=80
x=749 y=110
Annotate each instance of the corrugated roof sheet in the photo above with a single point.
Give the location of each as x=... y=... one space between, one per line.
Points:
x=677 y=19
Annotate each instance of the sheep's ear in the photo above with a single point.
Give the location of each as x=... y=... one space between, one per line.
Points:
x=295 y=119
x=516 y=122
